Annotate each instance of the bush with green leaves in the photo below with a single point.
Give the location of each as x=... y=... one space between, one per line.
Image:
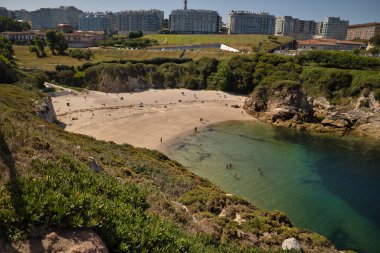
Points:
x=6 y=48
x=56 y=42
x=81 y=54
x=37 y=46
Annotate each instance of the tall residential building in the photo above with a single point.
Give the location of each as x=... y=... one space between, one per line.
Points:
x=96 y=22
x=333 y=28
x=3 y=12
x=294 y=27
x=147 y=21
x=49 y=18
x=188 y=21
x=244 y=22
x=23 y=15
x=363 y=31
x=286 y=26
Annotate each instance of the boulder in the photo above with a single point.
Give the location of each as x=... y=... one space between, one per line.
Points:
x=337 y=120
x=95 y=165
x=291 y=244
x=45 y=110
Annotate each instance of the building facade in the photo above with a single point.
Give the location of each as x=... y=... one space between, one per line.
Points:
x=23 y=15
x=363 y=31
x=243 y=22
x=147 y=21
x=189 y=21
x=49 y=18
x=294 y=27
x=96 y=22
x=332 y=28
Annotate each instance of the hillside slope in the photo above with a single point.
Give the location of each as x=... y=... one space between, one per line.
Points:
x=136 y=200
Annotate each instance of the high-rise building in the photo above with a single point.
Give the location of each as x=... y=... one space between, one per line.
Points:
x=97 y=22
x=363 y=31
x=188 y=21
x=147 y=21
x=49 y=18
x=332 y=28
x=243 y=22
x=294 y=27
x=23 y=15
x=4 y=12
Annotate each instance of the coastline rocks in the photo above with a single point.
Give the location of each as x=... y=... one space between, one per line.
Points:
x=280 y=104
x=290 y=107
x=291 y=244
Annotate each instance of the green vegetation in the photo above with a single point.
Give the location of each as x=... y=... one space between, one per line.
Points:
x=56 y=42
x=6 y=49
x=46 y=180
x=336 y=59
x=11 y=25
x=242 y=42
x=81 y=54
x=37 y=46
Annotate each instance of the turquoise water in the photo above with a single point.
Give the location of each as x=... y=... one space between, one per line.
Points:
x=330 y=185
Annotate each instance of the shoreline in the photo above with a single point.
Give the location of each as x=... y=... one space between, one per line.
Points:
x=141 y=119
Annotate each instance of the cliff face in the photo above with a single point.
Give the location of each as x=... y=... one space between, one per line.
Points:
x=115 y=78
x=280 y=104
x=291 y=107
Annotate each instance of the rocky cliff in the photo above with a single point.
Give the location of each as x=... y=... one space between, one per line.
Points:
x=292 y=107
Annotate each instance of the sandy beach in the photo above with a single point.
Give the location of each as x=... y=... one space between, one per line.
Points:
x=142 y=118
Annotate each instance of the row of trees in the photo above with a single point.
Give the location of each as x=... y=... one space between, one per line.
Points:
x=55 y=41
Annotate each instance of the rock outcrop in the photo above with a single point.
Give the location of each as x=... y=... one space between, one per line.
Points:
x=45 y=109
x=280 y=104
x=290 y=107
x=79 y=241
x=291 y=244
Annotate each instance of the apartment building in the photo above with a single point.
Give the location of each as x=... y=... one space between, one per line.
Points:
x=147 y=21
x=188 y=21
x=49 y=18
x=363 y=31
x=23 y=15
x=103 y=22
x=244 y=22
x=294 y=27
x=332 y=28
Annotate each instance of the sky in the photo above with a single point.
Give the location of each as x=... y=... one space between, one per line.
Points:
x=356 y=11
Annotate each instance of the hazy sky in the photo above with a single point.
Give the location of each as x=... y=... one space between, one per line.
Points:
x=356 y=11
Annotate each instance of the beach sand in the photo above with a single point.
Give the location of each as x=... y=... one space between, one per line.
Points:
x=142 y=118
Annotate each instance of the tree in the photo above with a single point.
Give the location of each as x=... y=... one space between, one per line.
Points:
x=56 y=42
x=37 y=46
x=11 y=25
x=6 y=49
x=7 y=72
x=375 y=51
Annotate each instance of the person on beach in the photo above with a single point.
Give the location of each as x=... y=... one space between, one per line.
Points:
x=235 y=176
x=161 y=139
x=230 y=165
x=195 y=129
x=260 y=171
x=227 y=166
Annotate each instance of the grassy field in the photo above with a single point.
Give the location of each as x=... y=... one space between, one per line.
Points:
x=26 y=59
x=241 y=41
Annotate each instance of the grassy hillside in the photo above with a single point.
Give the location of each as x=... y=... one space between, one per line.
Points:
x=241 y=41
x=26 y=59
x=134 y=204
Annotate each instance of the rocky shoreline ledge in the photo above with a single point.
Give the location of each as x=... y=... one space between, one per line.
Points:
x=290 y=106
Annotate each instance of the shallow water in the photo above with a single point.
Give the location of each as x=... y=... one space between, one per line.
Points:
x=326 y=184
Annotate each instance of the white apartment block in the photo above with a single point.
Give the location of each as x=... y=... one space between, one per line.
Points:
x=188 y=21
x=243 y=22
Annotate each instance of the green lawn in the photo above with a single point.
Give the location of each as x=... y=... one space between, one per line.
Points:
x=241 y=41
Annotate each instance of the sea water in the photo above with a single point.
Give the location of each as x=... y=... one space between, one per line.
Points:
x=326 y=184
